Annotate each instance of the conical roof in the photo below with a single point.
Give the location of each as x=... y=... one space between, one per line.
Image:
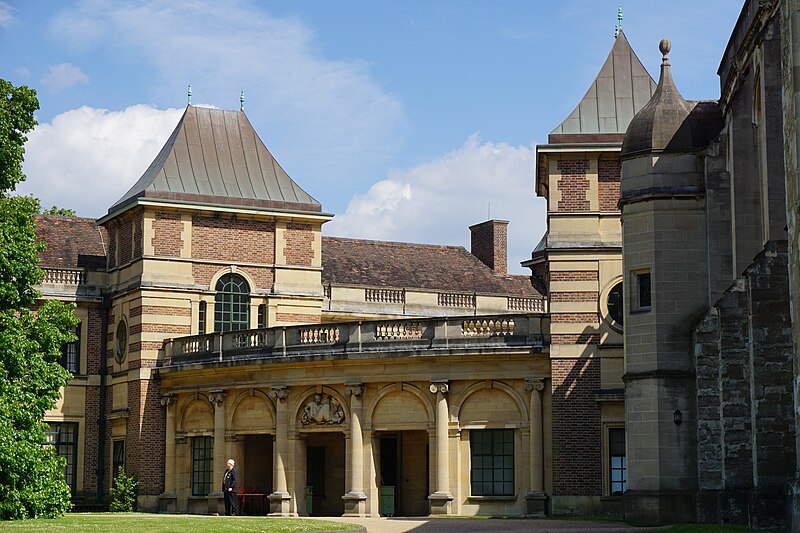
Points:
x=621 y=88
x=214 y=157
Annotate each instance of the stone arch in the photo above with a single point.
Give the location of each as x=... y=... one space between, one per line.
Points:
x=311 y=391
x=197 y=414
x=487 y=401
x=233 y=269
x=251 y=411
x=400 y=406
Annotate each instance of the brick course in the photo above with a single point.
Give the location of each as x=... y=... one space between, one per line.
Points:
x=573 y=185
x=577 y=439
x=574 y=296
x=145 y=436
x=203 y=272
x=297 y=318
x=167 y=235
x=574 y=275
x=580 y=338
x=608 y=177
x=575 y=318
x=232 y=240
x=299 y=244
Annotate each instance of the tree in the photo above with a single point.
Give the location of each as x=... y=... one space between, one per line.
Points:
x=59 y=211
x=124 y=492
x=31 y=476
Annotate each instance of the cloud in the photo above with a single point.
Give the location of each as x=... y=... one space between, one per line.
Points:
x=64 y=75
x=325 y=119
x=6 y=15
x=87 y=158
x=435 y=202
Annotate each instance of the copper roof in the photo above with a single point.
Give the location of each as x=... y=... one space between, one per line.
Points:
x=72 y=242
x=418 y=266
x=621 y=88
x=215 y=157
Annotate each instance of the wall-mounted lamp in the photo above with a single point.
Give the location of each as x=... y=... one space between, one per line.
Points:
x=677 y=417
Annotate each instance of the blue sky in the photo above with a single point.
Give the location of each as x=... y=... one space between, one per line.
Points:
x=409 y=120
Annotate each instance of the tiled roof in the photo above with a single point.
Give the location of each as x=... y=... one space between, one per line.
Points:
x=417 y=266
x=72 y=242
x=215 y=157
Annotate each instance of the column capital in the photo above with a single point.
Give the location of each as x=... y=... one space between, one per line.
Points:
x=354 y=389
x=167 y=399
x=279 y=392
x=216 y=397
x=536 y=384
x=439 y=386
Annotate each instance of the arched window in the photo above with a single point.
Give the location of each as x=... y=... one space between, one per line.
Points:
x=232 y=304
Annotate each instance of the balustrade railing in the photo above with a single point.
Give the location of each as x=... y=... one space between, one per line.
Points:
x=453 y=299
x=63 y=276
x=535 y=305
x=374 y=336
x=386 y=296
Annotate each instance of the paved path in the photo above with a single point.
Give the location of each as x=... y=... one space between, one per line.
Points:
x=488 y=525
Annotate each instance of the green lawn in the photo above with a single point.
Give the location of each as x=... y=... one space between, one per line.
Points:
x=140 y=522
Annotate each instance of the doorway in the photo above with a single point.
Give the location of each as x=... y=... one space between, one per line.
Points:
x=325 y=473
x=403 y=472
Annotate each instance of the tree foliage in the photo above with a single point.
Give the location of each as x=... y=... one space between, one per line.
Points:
x=31 y=476
x=124 y=492
x=59 y=211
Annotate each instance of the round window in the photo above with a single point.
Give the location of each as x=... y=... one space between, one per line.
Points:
x=122 y=340
x=614 y=303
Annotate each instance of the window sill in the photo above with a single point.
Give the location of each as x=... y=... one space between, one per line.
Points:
x=493 y=498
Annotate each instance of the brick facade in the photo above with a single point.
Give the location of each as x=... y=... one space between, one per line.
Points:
x=574 y=296
x=296 y=318
x=489 y=243
x=144 y=439
x=608 y=179
x=577 y=439
x=203 y=273
x=231 y=240
x=299 y=244
x=575 y=318
x=589 y=275
x=167 y=228
x=573 y=185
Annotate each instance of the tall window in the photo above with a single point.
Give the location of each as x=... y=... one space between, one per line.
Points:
x=63 y=437
x=492 y=453
x=202 y=459
x=71 y=352
x=262 y=316
x=117 y=457
x=643 y=295
x=201 y=318
x=232 y=304
x=617 y=461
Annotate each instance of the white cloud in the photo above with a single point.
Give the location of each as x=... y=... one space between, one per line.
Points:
x=64 y=75
x=326 y=119
x=6 y=15
x=435 y=202
x=87 y=158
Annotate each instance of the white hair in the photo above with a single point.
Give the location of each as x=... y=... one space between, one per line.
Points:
x=231 y=462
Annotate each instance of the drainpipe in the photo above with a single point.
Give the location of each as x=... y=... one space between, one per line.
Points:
x=101 y=422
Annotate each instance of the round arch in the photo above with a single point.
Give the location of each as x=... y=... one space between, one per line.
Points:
x=484 y=388
x=250 y=399
x=196 y=414
x=396 y=388
x=311 y=391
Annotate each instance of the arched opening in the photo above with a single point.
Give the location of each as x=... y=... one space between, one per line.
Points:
x=231 y=304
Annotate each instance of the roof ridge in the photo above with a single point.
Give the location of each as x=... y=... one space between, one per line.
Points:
x=396 y=243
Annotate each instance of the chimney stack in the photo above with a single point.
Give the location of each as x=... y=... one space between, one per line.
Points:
x=489 y=244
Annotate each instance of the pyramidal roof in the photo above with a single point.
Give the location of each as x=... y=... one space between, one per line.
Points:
x=214 y=157
x=619 y=91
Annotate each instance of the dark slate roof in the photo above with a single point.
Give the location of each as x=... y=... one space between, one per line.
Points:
x=215 y=157
x=72 y=242
x=417 y=266
x=621 y=88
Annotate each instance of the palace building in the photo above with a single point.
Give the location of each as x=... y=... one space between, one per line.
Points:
x=647 y=366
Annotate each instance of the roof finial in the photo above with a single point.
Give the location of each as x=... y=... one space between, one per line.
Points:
x=665 y=46
x=619 y=22
x=189 y=94
x=241 y=101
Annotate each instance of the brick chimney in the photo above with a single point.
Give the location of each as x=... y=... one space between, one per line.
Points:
x=489 y=244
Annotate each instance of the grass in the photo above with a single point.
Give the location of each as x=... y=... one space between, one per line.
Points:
x=142 y=522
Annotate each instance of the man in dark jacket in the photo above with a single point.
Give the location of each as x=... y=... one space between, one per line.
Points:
x=230 y=487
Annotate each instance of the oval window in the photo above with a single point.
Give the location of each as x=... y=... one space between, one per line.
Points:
x=122 y=341
x=614 y=303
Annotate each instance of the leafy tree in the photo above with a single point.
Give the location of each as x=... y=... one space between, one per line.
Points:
x=31 y=476
x=59 y=211
x=124 y=492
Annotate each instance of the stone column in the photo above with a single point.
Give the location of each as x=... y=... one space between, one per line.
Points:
x=355 y=499
x=215 y=501
x=441 y=498
x=536 y=498
x=168 y=500
x=279 y=499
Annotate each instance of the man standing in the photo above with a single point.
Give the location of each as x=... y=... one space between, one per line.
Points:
x=230 y=487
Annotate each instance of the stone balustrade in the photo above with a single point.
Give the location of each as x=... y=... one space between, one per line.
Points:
x=534 y=305
x=64 y=276
x=387 y=296
x=395 y=336
x=453 y=299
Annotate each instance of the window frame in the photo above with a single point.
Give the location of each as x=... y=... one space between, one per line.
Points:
x=116 y=460
x=61 y=449
x=236 y=316
x=623 y=482
x=64 y=358
x=202 y=466
x=478 y=440
x=638 y=305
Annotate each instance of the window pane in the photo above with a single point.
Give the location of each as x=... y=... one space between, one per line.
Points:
x=232 y=304
x=492 y=462
x=63 y=436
